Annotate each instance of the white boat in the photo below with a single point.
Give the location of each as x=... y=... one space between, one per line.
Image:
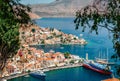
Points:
x=38 y=74
x=102 y=59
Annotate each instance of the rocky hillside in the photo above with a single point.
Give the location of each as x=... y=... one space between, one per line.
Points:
x=60 y=7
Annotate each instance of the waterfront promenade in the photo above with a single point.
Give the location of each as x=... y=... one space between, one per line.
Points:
x=45 y=70
x=14 y=76
x=63 y=67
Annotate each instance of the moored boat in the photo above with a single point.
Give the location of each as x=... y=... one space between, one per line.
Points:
x=38 y=74
x=100 y=68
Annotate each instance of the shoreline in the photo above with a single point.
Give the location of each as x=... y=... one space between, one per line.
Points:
x=44 y=70
x=57 y=16
x=59 y=44
x=62 y=67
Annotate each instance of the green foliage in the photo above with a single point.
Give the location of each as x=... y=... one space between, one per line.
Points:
x=28 y=71
x=75 y=38
x=67 y=55
x=50 y=37
x=52 y=29
x=72 y=62
x=23 y=33
x=33 y=30
x=42 y=42
x=109 y=18
x=54 y=34
x=95 y=17
x=12 y=14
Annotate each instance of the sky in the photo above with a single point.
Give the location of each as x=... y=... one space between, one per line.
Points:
x=35 y=1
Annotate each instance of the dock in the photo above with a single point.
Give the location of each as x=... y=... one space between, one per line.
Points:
x=14 y=76
x=63 y=67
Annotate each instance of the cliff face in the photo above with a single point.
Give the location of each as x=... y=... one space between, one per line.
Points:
x=60 y=8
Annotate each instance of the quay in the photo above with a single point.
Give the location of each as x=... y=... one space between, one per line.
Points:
x=44 y=70
x=63 y=67
x=13 y=76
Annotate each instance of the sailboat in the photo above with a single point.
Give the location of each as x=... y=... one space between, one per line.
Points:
x=102 y=60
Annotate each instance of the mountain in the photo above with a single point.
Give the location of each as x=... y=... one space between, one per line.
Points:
x=60 y=8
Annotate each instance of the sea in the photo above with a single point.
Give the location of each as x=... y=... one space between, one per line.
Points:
x=99 y=46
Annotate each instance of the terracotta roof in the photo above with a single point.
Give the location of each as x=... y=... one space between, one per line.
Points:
x=29 y=56
x=111 y=79
x=40 y=59
x=48 y=59
x=10 y=66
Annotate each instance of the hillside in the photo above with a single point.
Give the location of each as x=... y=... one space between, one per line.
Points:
x=34 y=35
x=61 y=8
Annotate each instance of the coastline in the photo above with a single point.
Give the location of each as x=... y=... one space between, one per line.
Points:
x=58 y=16
x=44 y=70
x=58 y=44
x=63 y=67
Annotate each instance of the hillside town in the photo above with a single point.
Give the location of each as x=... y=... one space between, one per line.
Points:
x=34 y=35
x=29 y=59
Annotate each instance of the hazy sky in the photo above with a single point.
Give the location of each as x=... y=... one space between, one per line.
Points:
x=35 y=1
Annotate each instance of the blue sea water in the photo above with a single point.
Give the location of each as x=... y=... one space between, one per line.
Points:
x=96 y=44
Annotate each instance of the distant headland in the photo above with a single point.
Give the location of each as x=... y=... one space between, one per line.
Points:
x=60 y=8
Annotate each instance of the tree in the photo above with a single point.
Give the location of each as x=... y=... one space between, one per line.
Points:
x=43 y=42
x=33 y=30
x=67 y=55
x=102 y=13
x=12 y=15
x=72 y=61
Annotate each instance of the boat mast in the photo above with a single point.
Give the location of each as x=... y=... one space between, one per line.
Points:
x=107 y=55
x=86 y=56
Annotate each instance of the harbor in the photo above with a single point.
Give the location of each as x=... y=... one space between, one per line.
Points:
x=60 y=40
x=44 y=70
x=50 y=69
x=72 y=65
x=72 y=74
